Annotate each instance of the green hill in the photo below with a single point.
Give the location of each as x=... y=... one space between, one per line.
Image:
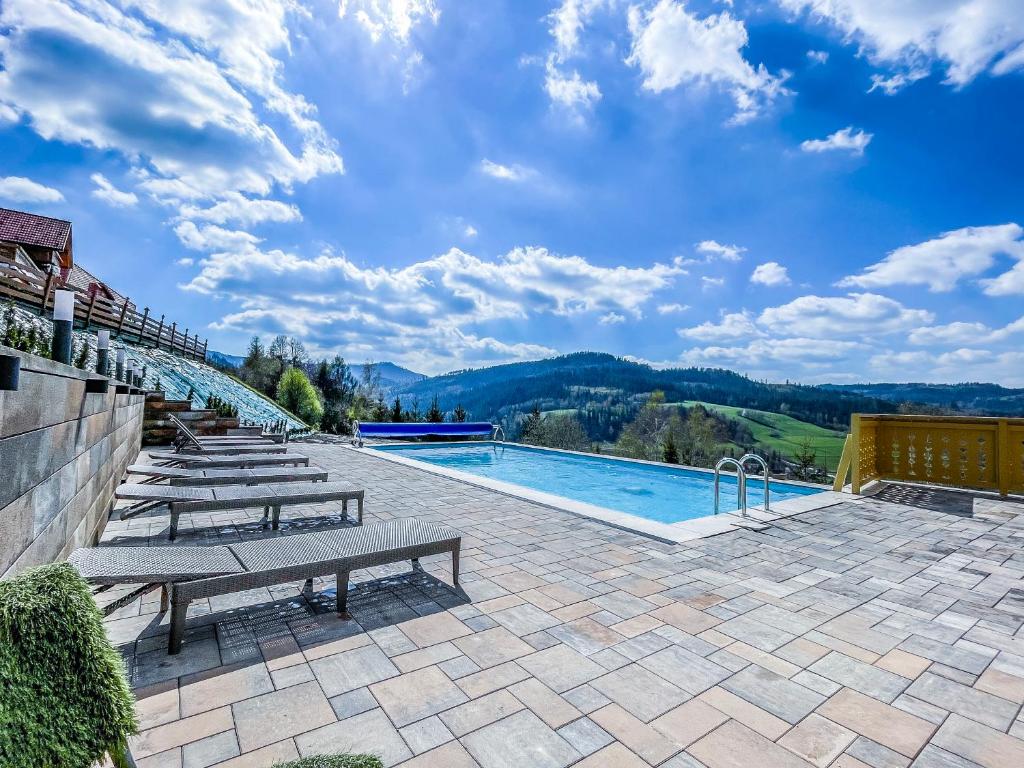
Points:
x=784 y=433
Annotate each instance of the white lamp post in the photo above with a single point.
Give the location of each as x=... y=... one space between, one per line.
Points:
x=63 y=317
x=102 y=352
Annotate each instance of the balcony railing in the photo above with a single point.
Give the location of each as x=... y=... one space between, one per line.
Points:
x=95 y=311
x=978 y=453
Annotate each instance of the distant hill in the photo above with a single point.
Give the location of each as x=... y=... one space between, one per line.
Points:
x=607 y=391
x=223 y=359
x=985 y=399
x=394 y=377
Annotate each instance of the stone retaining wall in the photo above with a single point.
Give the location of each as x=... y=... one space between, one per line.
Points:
x=62 y=454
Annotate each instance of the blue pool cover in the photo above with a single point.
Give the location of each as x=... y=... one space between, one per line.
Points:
x=457 y=429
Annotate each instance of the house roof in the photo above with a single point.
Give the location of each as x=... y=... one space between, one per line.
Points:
x=82 y=279
x=33 y=230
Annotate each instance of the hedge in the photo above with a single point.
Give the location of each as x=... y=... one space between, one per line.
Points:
x=334 y=761
x=64 y=697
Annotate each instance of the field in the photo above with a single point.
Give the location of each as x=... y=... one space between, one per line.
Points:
x=784 y=433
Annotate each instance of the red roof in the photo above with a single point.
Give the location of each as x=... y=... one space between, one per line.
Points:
x=33 y=230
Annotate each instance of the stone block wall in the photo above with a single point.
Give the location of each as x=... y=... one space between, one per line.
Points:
x=62 y=454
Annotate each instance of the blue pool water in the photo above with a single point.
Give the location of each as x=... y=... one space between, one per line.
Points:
x=662 y=493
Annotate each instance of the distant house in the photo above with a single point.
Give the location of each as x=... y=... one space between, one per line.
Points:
x=42 y=245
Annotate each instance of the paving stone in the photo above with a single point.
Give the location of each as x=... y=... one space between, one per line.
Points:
x=816 y=683
x=801 y=652
x=451 y=755
x=862 y=677
x=903 y=664
x=353 y=703
x=272 y=754
x=773 y=693
x=561 y=668
x=492 y=647
x=488 y=680
x=736 y=746
x=426 y=734
x=686 y=670
x=979 y=743
x=744 y=712
x=524 y=619
x=353 y=669
x=415 y=695
x=458 y=667
x=921 y=709
x=586 y=635
x=640 y=691
x=1002 y=684
x=969 y=702
x=430 y=630
x=880 y=722
x=968 y=661
x=933 y=757
x=585 y=736
x=521 y=740
x=545 y=703
x=689 y=722
x=623 y=604
x=752 y=632
x=477 y=713
x=273 y=716
x=368 y=733
x=685 y=618
x=610 y=659
x=586 y=698
x=818 y=740
x=653 y=746
x=212 y=749
x=612 y=756
x=178 y=732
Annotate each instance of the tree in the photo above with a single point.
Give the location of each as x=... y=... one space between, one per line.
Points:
x=435 y=415
x=380 y=410
x=532 y=431
x=255 y=354
x=395 y=415
x=459 y=414
x=641 y=438
x=563 y=430
x=670 y=455
x=297 y=394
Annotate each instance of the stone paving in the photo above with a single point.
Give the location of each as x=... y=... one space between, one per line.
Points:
x=867 y=633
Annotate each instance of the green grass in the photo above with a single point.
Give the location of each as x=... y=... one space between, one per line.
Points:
x=784 y=433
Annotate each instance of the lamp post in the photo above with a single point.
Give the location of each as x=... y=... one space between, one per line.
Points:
x=10 y=370
x=63 y=316
x=119 y=366
x=102 y=352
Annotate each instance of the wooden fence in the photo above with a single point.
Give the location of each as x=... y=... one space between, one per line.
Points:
x=959 y=451
x=95 y=311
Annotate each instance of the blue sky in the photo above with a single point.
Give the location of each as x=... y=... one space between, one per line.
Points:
x=812 y=190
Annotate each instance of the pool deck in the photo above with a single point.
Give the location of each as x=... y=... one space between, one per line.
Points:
x=864 y=633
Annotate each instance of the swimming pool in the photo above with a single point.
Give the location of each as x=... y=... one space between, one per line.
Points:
x=655 y=492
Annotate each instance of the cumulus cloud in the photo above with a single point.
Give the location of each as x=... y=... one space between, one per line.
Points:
x=673 y=47
x=731 y=326
x=941 y=263
x=712 y=249
x=506 y=172
x=110 y=194
x=965 y=37
x=443 y=300
x=708 y=283
x=570 y=91
x=672 y=309
x=771 y=273
x=964 y=333
x=817 y=57
x=827 y=317
x=1003 y=366
x=393 y=19
x=195 y=82
x=243 y=210
x=566 y=88
x=213 y=238
x=844 y=140
x=18 y=189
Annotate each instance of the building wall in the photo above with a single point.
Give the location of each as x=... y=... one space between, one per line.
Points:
x=62 y=454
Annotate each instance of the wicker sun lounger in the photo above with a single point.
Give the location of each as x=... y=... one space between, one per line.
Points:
x=272 y=496
x=193 y=573
x=220 y=450
x=183 y=476
x=220 y=460
x=186 y=437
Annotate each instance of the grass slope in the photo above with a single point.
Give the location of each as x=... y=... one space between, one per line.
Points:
x=784 y=433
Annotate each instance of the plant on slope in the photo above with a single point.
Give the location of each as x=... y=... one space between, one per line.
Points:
x=297 y=394
x=64 y=697
x=334 y=761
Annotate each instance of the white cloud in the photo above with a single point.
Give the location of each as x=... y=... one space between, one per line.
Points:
x=185 y=261
x=110 y=194
x=394 y=19
x=213 y=238
x=964 y=333
x=709 y=283
x=673 y=47
x=943 y=262
x=784 y=358
x=672 y=309
x=193 y=83
x=567 y=22
x=571 y=92
x=829 y=317
x=732 y=326
x=967 y=37
x=713 y=249
x=844 y=140
x=1005 y=367
x=470 y=231
x=21 y=190
x=817 y=57
x=890 y=85
x=612 y=318
x=244 y=210
x=771 y=273
x=506 y=172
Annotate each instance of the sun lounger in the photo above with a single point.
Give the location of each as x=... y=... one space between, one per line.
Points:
x=220 y=450
x=169 y=458
x=182 y=476
x=272 y=496
x=188 y=438
x=194 y=573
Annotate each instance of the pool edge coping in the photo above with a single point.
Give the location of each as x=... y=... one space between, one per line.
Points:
x=667 y=533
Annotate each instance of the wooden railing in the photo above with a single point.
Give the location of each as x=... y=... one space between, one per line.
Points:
x=96 y=311
x=958 y=451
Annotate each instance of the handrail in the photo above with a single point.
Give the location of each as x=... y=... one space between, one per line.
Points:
x=498 y=431
x=741 y=484
x=764 y=466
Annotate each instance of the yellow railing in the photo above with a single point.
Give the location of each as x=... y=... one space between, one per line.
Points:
x=959 y=451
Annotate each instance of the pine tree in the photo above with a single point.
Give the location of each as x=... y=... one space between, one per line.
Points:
x=670 y=454
x=459 y=414
x=396 y=411
x=435 y=415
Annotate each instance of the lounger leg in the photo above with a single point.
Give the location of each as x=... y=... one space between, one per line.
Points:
x=359 y=502
x=416 y=564
x=277 y=517
x=308 y=586
x=455 y=564
x=342 y=584
x=174 y=523
x=266 y=516
x=178 y=613
x=344 y=509
x=164 y=598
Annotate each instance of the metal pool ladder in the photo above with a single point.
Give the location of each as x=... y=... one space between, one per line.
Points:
x=764 y=469
x=741 y=477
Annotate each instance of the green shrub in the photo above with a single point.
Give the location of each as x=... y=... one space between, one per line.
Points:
x=334 y=761
x=64 y=697
x=297 y=394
